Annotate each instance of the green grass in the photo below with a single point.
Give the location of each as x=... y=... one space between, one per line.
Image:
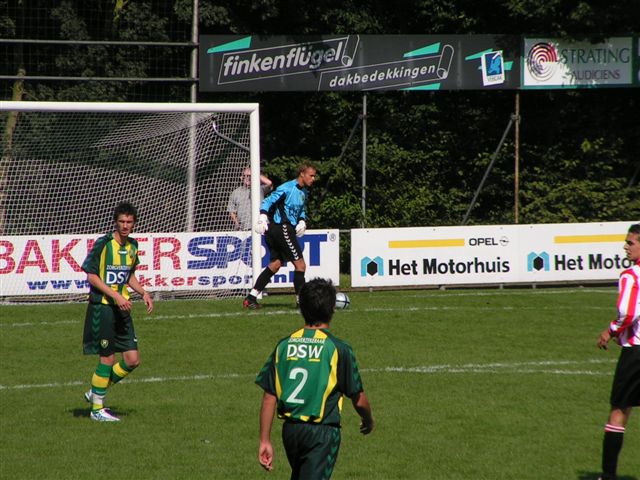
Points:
x=464 y=384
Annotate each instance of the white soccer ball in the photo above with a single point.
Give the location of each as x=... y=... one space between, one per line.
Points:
x=342 y=301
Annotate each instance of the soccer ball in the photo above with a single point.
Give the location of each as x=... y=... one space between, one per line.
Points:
x=342 y=301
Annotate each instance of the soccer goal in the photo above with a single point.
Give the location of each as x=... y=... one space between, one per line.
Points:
x=65 y=166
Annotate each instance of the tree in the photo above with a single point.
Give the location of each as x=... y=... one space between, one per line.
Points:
x=426 y=151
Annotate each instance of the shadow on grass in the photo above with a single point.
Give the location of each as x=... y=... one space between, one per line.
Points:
x=275 y=306
x=84 y=412
x=286 y=305
x=596 y=475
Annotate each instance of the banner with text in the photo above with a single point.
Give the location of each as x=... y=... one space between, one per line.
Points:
x=555 y=63
x=358 y=62
x=51 y=264
x=488 y=254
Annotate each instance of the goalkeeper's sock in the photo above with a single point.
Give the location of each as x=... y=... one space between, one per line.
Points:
x=261 y=283
x=119 y=371
x=99 y=384
x=298 y=281
x=611 y=446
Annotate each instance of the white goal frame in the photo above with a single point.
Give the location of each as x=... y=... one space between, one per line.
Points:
x=114 y=107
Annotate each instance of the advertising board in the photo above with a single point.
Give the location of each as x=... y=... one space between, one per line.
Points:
x=487 y=254
x=353 y=62
x=51 y=264
x=358 y=62
x=555 y=63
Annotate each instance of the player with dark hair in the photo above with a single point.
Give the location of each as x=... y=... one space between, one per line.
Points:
x=108 y=327
x=282 y=219
x=304 y=380
x=625 y=392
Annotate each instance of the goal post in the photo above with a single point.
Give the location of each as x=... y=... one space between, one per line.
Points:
x=65 y=165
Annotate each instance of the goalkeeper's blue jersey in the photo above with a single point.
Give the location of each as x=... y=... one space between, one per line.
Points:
x=286 y=204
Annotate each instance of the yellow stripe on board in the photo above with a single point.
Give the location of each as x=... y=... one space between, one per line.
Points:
x=445 y=242
x=589 y=238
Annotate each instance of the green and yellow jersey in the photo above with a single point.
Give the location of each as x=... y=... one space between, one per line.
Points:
x=309 y=372
x=113 y=263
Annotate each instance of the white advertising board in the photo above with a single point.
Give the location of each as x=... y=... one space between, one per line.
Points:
x=487 y=254
x=51 y=264
x=559 y=63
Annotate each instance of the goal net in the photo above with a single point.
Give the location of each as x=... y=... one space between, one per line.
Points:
x=65 y=166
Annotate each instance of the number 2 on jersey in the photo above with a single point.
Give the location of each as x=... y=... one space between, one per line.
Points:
x=293 y=375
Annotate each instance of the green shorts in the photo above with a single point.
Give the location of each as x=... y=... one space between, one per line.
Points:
x=312 y=450
x=107 y=330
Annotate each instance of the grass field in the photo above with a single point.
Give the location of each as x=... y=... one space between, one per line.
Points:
x=465 y=384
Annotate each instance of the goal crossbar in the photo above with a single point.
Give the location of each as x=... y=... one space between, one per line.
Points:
x=126 y=107
x=252 y=109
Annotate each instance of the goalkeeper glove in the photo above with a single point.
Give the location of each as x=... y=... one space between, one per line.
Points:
x=301 y=228
x=263 y=224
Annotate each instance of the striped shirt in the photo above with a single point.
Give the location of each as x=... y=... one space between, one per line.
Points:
x=626 y=327
x=309 y=372
x=114 y=264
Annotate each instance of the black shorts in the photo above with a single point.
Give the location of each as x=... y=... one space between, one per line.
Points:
x=107 y=330
x=625 y=391
x=312 y=450
x=283 y=243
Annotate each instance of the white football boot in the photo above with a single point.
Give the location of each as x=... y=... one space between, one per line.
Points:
x=103 y=415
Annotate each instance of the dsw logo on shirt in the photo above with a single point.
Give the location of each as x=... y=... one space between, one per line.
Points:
x=312 y=352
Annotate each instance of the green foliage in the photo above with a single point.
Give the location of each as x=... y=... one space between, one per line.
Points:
x=7 y=23
x=580 y=201
x=576 y=19
x=426 y=151
x=582 y=170
x=444 y=409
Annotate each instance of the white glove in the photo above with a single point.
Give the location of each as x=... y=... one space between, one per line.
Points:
x=301 y=228
x=263 y=224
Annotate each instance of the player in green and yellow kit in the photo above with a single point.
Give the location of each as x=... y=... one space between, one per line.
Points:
x=305 y=379
x=108 y=327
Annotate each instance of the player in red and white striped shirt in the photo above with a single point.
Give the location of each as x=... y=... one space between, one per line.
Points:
x=625 y=392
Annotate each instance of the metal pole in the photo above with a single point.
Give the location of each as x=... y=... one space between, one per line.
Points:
x=191 y=174
x=191 y=169
x=635 y=175
x=486 y=173
x=363 y=222
x=516 y=192
x=254 y=161
x=194 y=52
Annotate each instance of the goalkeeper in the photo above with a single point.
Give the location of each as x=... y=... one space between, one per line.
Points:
x=282 y=220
